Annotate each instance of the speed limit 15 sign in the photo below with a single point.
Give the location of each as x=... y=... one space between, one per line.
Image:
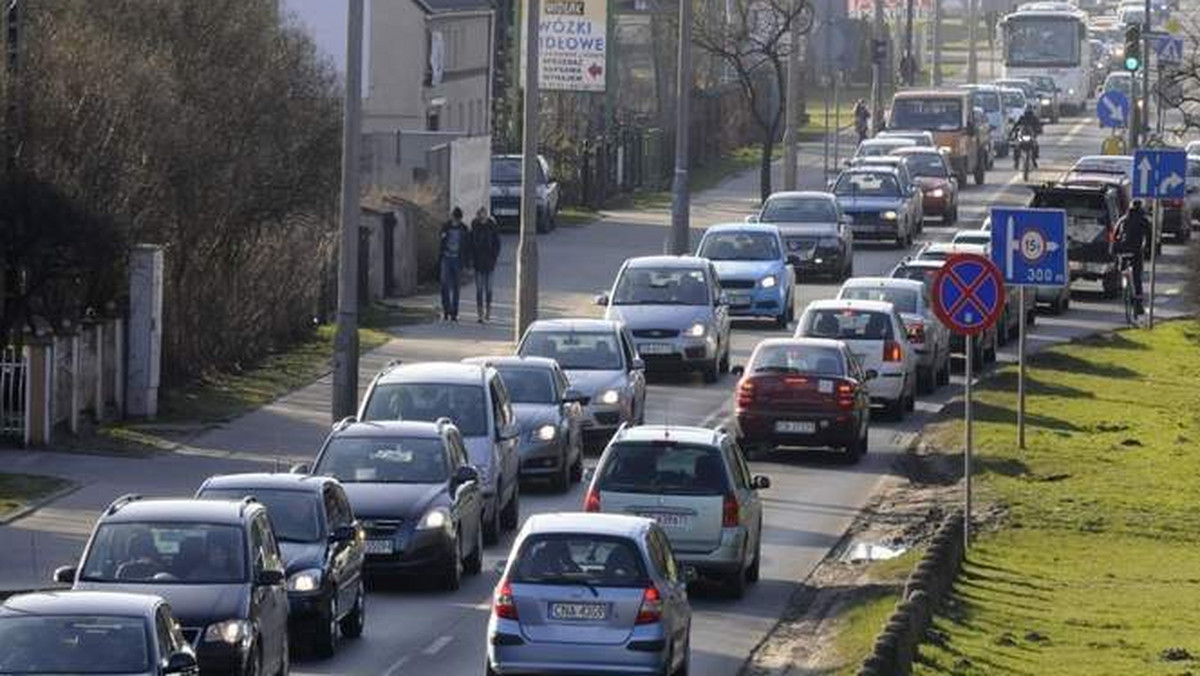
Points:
x=1030 y=246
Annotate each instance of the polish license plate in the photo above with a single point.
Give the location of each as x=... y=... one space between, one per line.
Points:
x=669 y=519
x=795 y=427
x=507 y=212
x=739 y=299
x=580 y=612
x=655 y=348
x=380 y=547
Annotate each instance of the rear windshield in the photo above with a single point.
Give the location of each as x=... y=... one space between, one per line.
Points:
x=74 y=644
x=464 y=405
x=866 y=184
x=798 y=358
x=934 y=114
x=595 y=560
x=575 y=351
x=295 y=515
x=528 y=386
x=905 y=300
x=663 y=469
x=848 y=325
x=1081 y=206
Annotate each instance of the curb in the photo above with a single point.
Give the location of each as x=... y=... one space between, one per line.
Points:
x=22 y=512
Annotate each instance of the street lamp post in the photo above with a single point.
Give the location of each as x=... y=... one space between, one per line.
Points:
x=791 y=131
x=527 y=252
x=677 y=240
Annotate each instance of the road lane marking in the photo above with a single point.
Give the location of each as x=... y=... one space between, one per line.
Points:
x=437 y=646
x=395 y=668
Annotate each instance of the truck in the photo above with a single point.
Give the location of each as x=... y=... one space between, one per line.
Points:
x=959 y=128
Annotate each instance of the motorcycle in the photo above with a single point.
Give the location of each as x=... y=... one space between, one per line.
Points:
x=1023 y=154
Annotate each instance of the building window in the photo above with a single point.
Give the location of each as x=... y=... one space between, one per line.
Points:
x=433 y=121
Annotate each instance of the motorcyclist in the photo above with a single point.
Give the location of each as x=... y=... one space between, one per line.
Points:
x=1029 y=123
x=1133 y=231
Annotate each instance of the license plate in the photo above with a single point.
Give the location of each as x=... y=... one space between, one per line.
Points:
x=506 y=212
x=585 y=612
x=655 y=348
x=795 y=427
x=670 y=519
x=380 y=547
x=739 y=299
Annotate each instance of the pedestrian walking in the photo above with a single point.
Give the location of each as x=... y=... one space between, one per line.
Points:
x=485 y=251
x=861 y=117
x=455 y=243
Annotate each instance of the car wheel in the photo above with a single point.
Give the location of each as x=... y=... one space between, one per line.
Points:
x=685 y=667
x=491 y=527
x=451 y=578
x=543 y=223
x=325 y=633
x=510 y=518
x=561 y=483
x=755 y=569
x=781 y=321
x=943 y=377
x=735 y=583
x=895 y=409
x=352 y=624
x=926 y=380
x=474 y=563
x=724 y=368
x=712 y=371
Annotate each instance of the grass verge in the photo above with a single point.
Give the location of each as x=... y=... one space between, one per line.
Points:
x=858 y=622
x=19 y=490
x=1094 y=568
x=704 y=177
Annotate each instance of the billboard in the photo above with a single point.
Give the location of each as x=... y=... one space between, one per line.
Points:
x=572 y=47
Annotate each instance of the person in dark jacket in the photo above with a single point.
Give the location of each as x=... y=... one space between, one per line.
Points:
x=862 y=117
x=1133 y=231
x=485 y=251
x=455 y=246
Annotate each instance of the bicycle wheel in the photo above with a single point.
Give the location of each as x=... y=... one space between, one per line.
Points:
x=1127 y=297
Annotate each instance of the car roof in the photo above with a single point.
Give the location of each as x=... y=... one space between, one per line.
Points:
x=813 y=342
x=80 y=603
x=868 y=168
x=683 y=434
x=591 y=523
x=848 y=304
x=683 y=262
x=917 y=150
x=950 y=247
x=391 y=429
x=448 y=372
x=869 y=282
x=922 y=263
x=578 y=324
x=134 y=509
x=931 y=93
x=888 y=141
x=765 y=228
x=803 y=194
x=305 y=483
x=541 y=363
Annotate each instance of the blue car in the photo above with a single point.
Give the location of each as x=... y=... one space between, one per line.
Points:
x=752 y=266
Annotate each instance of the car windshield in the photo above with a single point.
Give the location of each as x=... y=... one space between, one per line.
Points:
x=927 y=165
x=528 y=385
x=464 y=405
x=1044 y=83
x=506 y=170
x=905 y=300
x=799 y=210
x=848 y=324
x=570 y=559
x=663 y=469
x=935 y=114
x=740 y=246
x=665 y=286
x=1014 y=100
x=575 y=351
x=867 y=184
x=74 y=644
x=917 y=138
x=1080 y=207
x=798 y=358
x=987 y=99
x=385 y=460
x=295 y=515
x=166 y=553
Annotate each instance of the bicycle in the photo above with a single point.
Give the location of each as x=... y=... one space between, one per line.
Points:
x=1128 y=290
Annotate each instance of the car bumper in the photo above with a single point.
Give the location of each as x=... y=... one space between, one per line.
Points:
x=936 y=206
x=601 y=419
x=821 y=263
x=888 y=387
x=758 y=303
x=877 y=230
x=415 y=552
x=509 y=653
x=542 y=458
x=1091 y=269
x=758 y=429
x=307 y=611
x=222 y=659
x=1050 y=294
x=724 y=559
x=677 y=354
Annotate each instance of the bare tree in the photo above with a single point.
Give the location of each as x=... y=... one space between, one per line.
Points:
x=753 y=39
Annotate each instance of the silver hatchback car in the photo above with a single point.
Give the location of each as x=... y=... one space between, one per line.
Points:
x=696 y=484
x=590 y=594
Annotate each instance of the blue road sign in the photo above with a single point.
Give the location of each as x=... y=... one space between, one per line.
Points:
x=1030 y=246
x=968 y=293
x=1113 y=109
x=1159 y=174
x=1168 y=49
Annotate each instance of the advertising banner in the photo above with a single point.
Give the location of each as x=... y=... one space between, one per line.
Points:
x=573 y=45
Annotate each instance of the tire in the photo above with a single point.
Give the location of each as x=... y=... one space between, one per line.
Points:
x=980 y=174
x=473 y=564
x=735 y=584
x=712 y=371
x=895 y=409
x=951 y=216
x=943 y=377
x=926 y=380
x=781 y=322
x=325 y=632
x=510 y=518
x=254 y=664
x=791 y=317
x=561 y=481
x=491 y=527
x=685 y=667
x=755 y=570
x=451 y=578
x=543 y=223
x=910 y=403
x=352 y=624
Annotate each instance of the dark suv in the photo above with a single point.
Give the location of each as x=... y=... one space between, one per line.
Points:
x=1093 y=209
x=215 y=561
x=322 y=548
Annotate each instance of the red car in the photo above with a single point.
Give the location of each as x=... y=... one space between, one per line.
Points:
x=930 y=169
x=805 y=392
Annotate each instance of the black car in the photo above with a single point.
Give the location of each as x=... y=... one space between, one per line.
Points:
x=1093 y=209
x=322 y=547
x=815 y=232
x=215 y=561
x=92 y=633
x=417 y=495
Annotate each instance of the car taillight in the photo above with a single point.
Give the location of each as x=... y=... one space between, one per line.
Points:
x=745 y=393
x=729 y=512
x=591 y=503
x=1173 y=203
x=916 y=332
x=892 y=351
x=651 y=608
x=503 y=605
x=845 y=395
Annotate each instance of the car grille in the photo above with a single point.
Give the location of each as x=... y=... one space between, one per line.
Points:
x=867 y=218
x=608 y=418
x=381 y=526
x=656 y=333
x=737 y=283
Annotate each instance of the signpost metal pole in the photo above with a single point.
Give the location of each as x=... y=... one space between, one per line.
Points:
x=970 y=374
x=972 y=41
x=837 y=122
x=1021 y=372
x=937 y=43
x=792 y=101
x=527 y=253
x=825 y=156
x=677 y=240
x=1154 y=239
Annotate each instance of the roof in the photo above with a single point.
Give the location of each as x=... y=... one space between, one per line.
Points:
x=616 y=525
x=813 y=342
x=514 y=360
x=869 y=168
x=764 y=228
x=452 y=6
x=390 y=428
x=803 y=194
x=860 y=282
x=268 y=481
x=931 y=93
x=983 y=86
x=435 y=372
x=918 y=150
x=950 y=247
x=579 y=325
x=889 y=141
x=922 y=263
x=848 y=304
x=176 y=509
x=81 y=603
x=666 y=262
x=680 y=433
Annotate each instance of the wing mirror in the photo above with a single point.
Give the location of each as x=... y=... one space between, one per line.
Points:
x=738 y=370
x=508 y=432
x=690 y=574
x=573 y=396
x=722 y=299
x=65 y=574
x=871 y=374
x=602 y=299
x=760 y=483
x=269 y=578
x=638 y=364
x=793 y=260
x=300 y=468
x=343 y=534
x=752 y=218
x=465 y=475
x=181 y=663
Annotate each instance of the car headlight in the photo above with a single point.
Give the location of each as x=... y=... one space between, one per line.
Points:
x=1045 y=102
x=1071 y=92
x=768 y=282
x=937 y=192
x=434 y=519
x=229 y=631
x=547 y=432
x=610 y=397
x=889 y=215
x=697 y=331
x=305 y=581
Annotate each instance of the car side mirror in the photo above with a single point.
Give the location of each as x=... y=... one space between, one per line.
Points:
x=508 y=432
x=638 y=364
x=181 y=663
x=722 y=299
x=738 y=370
x=572 y=396
x=589 y=474
x=465 y=475
x=269 y=578
x=602 y=299
x=760 y=483
x=752 y=218
x=793 y=259
x=871 y=374
x=343 y=534
x=845 y=220
x=65 y=574
x=300 y=468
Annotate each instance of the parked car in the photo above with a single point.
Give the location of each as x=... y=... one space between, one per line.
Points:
x=924 y=271
x=952 y=119
x=475 y=399
x=875 y=147
x=548 y=414
x=875 y=335
x=804 y=392
x=322 y=548
x=677 y=312
x=922 y=139
x=931 y=172
x=590 y=593
x=696 y=484
x=752 y=267
x=506 y=193
x=601 y=363
x=927 y=335
x=418 y=495
x=878 y=206
x=814 y=230
x=908 y=184
x=217 y=564
x=92 y=633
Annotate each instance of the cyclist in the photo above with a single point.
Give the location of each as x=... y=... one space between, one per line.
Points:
x=1133 y=231
x=1027 y=122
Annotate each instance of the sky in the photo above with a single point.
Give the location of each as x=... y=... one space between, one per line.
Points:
x=326 y=22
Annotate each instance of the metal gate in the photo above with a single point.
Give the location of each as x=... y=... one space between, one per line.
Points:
x=14 y=383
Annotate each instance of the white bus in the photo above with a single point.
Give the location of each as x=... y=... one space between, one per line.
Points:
x=1042 y=40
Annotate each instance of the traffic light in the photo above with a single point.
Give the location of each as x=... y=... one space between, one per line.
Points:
x=879 y=50
x=1133 y=48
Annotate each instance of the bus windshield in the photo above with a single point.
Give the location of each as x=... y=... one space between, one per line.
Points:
x=1042 y=41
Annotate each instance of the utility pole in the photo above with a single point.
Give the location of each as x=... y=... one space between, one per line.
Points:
x=910 y=59
x=12 y=110
x=678 y=242
x=877 y=71
x=1144 y=120
x=792 y=130
x=527 y=252
x=972 y=41
x=345 y=343
x=937 y=43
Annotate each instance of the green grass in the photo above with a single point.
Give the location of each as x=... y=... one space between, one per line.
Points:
x=1096 y=569
x=704 y=177
x=19 y=490
x=859 y=622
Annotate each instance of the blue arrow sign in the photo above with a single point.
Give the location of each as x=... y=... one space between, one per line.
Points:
x=1168 y=49
x=1159 y=174
x=1030 y=246
x=1113 y=109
